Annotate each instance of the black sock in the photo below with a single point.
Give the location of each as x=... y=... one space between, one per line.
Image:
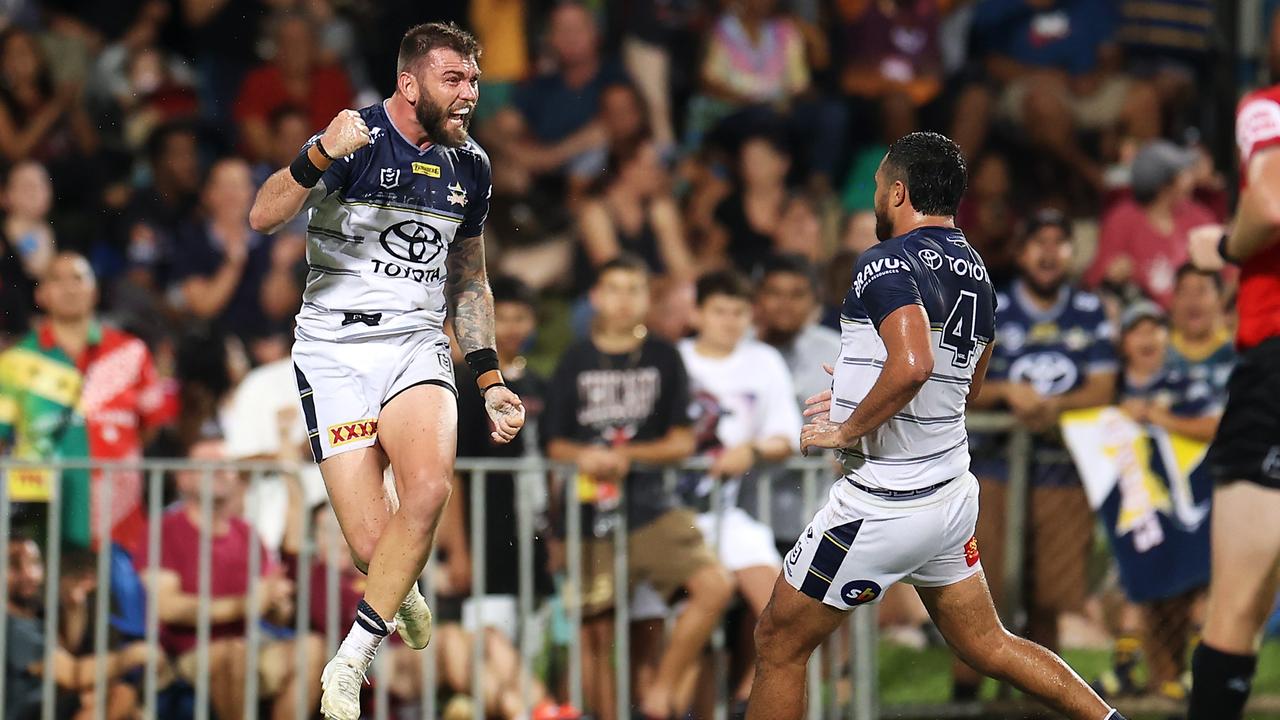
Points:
x=1220 y=684
x=368 y=618
x=964 y=692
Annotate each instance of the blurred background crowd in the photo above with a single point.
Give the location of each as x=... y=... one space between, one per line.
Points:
x=688 y=173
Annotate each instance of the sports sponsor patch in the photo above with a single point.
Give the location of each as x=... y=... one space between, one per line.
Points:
x=420 y=168
x=971 y=551
x=1258 y=122
x=859 y=592
x=346 y=432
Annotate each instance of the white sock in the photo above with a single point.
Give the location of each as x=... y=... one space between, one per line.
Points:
x=367 y=633
x=1114 y=715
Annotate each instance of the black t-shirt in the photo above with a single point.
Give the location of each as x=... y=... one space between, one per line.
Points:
x=748 y=248
x=502 y=555
x=17 y=293
x=612 y=400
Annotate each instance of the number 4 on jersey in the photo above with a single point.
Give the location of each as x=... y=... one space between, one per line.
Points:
x=958 y=332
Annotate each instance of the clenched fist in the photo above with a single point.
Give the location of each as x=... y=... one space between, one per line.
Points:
x=346 y=134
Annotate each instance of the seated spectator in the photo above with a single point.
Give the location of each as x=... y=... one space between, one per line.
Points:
x=553 y=115
x=1170 y=42
x=176 y=583
x=801 y=230
x=108 y=401
x=622 y=398
x=295 y=76
x=145 y=88
x=1055 y=354
x=988 y=213
x=26 y=242
x=37 y=120
x=624 y=119
x=633 y=212
x=221 y=263
x=74 y=675
x=745 y=415
x=1200 y=343
x=747 y=221
x=137 y=245
x=500 y=26
x=892 y=60
x=1053 y=63
x=786 y=315
x=1143 y=240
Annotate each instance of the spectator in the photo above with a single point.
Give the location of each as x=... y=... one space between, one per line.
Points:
x=747 y=221
x=25 y=643
x=989 y=215
x=1144 y=240
x=623 y=398
x=176 y=583
x=892 y=60
x=140 y=243
x=219 y=271
x=552 y=118
x=294 y=76
x=1200 y=343
x=744 y=414
x=500 y=25
x=634 y=213
x=787 y=319
x=107 y=400
x=27 y=242
x=624 y=119
x=1054 y=62
x=1055 y=354
x=37 y=120
x=1153 y=392
x=801 y=229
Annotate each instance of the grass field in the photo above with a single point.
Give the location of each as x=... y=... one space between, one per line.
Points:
x=914 y=677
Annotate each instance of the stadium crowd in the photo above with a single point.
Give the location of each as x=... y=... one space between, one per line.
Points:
x=680 y=188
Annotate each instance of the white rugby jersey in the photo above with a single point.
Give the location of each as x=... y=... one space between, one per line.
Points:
x=379 y=226
x=926 y=442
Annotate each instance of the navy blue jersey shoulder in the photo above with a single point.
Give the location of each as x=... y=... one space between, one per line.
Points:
x=931 y=266
x=392 y=172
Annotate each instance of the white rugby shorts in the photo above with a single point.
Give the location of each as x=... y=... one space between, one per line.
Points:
x=345 y=385
x=859 y=544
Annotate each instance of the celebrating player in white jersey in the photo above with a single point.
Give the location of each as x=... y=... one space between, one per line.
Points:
x=396 y=195
x=917 y=332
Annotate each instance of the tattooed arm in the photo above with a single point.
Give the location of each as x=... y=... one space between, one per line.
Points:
x=467 y=289
x=471 y=303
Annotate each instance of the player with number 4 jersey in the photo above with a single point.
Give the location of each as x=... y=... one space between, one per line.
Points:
x=916 y=339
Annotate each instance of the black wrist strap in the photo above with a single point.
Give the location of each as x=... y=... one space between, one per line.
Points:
x=484 y=390
x=325 y=153
x=482 y=361
x=305 y=172
x=1222 y=249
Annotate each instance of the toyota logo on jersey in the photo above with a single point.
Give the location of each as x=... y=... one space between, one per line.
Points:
x=412 y=241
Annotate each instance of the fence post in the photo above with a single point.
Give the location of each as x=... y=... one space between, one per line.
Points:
x=622 y=606
x=427 y=700
x=573 y=558
x=866 y=685
x=522 y=486
x=205 y=587
x=4 y=576
x=53 y=560
x=302 y=612
x=719 y=673
x=478 y=564
x=155 y=492
x=814 y=669
x=253 y=633
x=1015 y=524
x=102 y=596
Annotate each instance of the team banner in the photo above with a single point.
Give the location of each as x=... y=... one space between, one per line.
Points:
x=1151 y=491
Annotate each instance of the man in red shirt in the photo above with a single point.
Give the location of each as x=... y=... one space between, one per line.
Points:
x=177 y=584
x=1245 y=454
x=1143 y=239
x=295 y=76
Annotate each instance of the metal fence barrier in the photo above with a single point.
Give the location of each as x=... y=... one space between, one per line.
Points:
x=850 y=659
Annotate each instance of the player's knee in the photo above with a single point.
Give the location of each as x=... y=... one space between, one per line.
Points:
x=426 y=494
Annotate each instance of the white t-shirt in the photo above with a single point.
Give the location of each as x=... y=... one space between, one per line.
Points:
x=743 y=397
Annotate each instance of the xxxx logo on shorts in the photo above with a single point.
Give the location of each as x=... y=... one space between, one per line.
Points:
x=343 y=433
x=971 y=551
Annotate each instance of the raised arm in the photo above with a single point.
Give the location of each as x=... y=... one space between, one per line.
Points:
x=283 y=194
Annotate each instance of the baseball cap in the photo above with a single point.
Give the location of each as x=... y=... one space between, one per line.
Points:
x=1155 y=166
x=1138 y=311
x=1046 y=217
